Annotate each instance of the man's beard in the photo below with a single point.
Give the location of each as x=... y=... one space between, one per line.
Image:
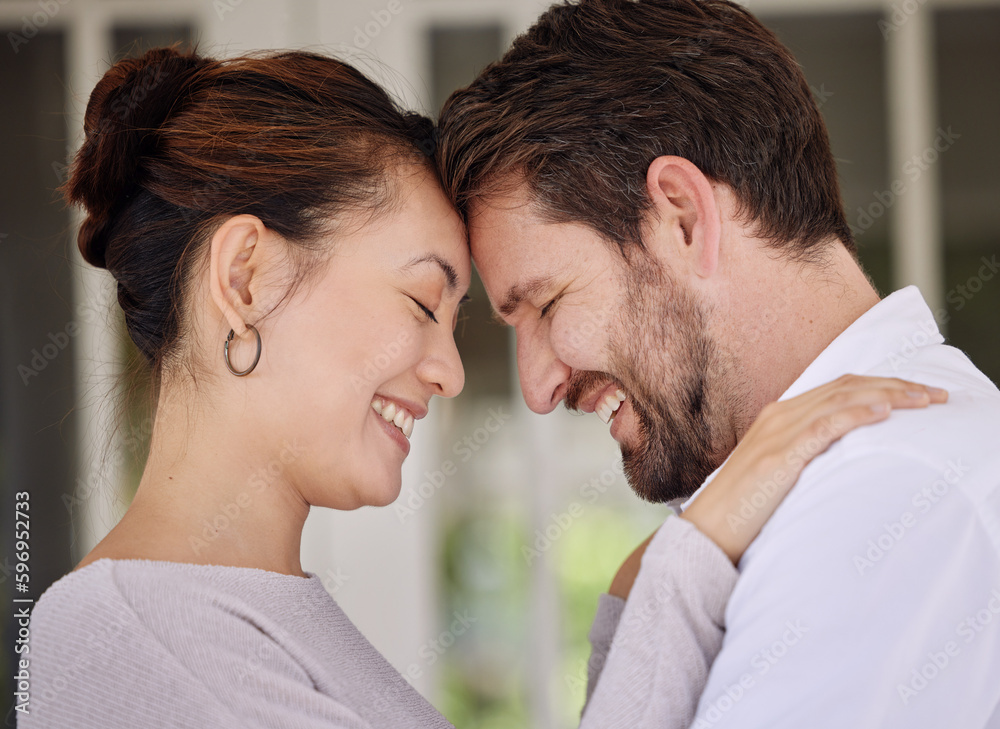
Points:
x=663 y=357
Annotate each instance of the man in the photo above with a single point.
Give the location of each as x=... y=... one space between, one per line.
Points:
x=653 y=206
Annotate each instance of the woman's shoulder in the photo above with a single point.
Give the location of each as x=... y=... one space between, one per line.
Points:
x=169 y=611
x=87 y=586
x=145 y=593
x=90 y=600
x=138 y=579
x=79 y=623
x=115 y=629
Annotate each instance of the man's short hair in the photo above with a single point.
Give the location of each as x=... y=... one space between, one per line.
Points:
x=587 y=98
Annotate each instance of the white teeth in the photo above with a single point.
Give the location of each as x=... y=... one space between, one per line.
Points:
x=607 y=407
x=604 y=413
x=392 y=413
x=612 y=403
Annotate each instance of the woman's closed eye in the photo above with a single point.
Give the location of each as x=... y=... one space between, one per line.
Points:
x=428 y=312
x=547 y=308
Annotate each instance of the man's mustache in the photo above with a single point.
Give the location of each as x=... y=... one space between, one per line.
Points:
x=583 y=383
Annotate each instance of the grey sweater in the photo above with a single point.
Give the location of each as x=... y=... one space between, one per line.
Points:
x=123 y=644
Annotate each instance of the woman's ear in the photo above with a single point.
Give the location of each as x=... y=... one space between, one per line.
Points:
x=687 y=225
x=234 y=264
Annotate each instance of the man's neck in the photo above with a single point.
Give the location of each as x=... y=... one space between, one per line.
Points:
x=785 y=316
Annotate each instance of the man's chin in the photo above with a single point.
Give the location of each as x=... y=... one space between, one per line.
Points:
x=656 y=480
x=640 y=479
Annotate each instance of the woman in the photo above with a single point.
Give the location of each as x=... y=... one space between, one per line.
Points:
x=273 y=224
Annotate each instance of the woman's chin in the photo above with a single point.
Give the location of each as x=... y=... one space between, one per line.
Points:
x=384 y=501
x=383 y=494
x=370 y=492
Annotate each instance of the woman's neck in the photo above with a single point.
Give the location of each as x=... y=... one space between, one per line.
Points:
x=211 y=494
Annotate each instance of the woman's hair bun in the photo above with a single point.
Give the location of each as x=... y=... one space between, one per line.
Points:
x=126 y=110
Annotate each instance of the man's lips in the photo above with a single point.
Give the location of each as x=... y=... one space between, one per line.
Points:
x=591 y=402
x=624 y=416
x=605 y=402
x=594 y=392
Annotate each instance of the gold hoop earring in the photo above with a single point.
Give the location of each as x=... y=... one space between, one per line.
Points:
x=256 y=359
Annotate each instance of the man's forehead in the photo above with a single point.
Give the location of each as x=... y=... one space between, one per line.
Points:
x=507 y=238
x=502 y=230
x=509 y=233
x=501 y=236
x=510 y=209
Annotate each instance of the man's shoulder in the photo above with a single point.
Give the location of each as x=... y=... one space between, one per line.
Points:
x=940 y=464
x=885 y=547
x=966 y=428
x=941 y=365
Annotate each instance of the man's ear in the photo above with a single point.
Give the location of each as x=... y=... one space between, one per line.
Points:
x=234 y=261
x=687 y=225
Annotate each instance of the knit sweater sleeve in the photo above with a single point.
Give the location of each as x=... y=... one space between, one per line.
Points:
x=651 y=655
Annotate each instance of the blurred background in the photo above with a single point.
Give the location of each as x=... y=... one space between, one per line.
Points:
x=480 y=583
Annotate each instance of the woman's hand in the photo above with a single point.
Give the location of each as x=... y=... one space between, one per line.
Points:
x=769 y=459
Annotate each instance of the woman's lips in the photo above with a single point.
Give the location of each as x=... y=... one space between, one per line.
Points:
x=393 y=432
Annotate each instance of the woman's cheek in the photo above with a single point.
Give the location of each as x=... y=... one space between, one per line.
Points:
x=394 y=354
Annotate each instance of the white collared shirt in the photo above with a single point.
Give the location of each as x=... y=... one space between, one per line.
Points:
x=872 y=596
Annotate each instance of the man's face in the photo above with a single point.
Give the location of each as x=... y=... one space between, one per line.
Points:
x=592 y=328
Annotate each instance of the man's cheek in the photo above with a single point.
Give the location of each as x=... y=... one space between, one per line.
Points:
x=581 y=335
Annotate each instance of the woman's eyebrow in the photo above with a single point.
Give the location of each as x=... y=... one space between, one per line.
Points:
x=449 y=271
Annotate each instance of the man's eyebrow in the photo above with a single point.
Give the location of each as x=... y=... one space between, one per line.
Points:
x=519 y=292
x=449 y=271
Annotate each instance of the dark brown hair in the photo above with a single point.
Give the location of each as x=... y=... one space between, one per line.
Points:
x=587 y=98
x=176 y=142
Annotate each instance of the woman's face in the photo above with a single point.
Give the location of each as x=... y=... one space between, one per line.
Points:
x=357 y=352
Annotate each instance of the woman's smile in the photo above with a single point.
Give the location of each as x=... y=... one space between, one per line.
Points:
x=395 y=420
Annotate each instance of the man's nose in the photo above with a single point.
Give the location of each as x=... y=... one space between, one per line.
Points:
x=543 y=375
